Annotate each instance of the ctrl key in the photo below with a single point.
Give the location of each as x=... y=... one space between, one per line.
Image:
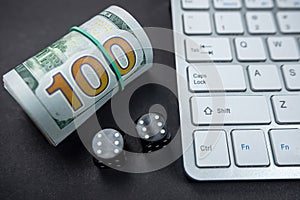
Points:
x=286 y=146
x=211 y=148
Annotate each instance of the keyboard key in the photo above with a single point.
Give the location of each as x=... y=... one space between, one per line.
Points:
x=230 y=110
x=289 y=22
x=227 y=4
x=250 y=49
x=195 y=4
x=283 y=48
x=288 y=3
x=197 y=23
x=286 y=146
x=208 y=78
x=291 y=75
x=208 y=49
x=211 y=149
x=264 y=78
x=260 y=22
x=250 y=148
x=286 y=109
x=229 y=23
x=259 y=4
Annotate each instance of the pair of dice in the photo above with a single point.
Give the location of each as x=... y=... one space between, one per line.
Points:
x=108 y=144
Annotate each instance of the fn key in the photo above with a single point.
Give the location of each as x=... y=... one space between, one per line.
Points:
x=211 y=148
x=286 y=146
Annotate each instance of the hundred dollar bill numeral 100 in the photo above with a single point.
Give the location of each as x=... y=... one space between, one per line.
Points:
x=61 y=84
x=72 y=78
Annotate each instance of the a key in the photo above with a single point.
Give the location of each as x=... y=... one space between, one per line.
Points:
x=230 y=110
x=208 y=78
x=288 y=3
x=250 y=148
x=286 y=109
x=283 y=48
x=250 y=49
x=286 y=146
x=259 y=4
x=264 y=78
x=197 y=23
x=291 y=75
x=208 y=49
x=195 y=4
x=227 y=4
x=289 y=22
x=260 y=22
x=229 y=23
x=211 y=148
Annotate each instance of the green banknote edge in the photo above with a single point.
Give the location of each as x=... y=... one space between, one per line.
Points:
x=48 y=59
x=123 y=26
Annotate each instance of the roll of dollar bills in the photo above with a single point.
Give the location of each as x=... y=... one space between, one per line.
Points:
x=72 y=78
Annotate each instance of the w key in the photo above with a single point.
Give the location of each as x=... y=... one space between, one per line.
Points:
x=283 y=48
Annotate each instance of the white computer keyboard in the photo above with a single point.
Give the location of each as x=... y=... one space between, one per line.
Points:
x=238 y=75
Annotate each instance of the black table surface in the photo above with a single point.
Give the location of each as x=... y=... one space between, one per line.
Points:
x=30 y=168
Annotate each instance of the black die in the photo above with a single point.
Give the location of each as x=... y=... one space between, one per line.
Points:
x=152 y=129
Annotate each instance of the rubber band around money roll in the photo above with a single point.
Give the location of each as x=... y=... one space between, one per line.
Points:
x=103 y=50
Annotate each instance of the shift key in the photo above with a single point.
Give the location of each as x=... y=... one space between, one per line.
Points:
x=230 y=110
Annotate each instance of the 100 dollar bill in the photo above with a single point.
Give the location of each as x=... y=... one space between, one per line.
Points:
x=72 y=78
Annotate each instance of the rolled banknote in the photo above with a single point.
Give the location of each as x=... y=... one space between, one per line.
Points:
x=72 y=78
